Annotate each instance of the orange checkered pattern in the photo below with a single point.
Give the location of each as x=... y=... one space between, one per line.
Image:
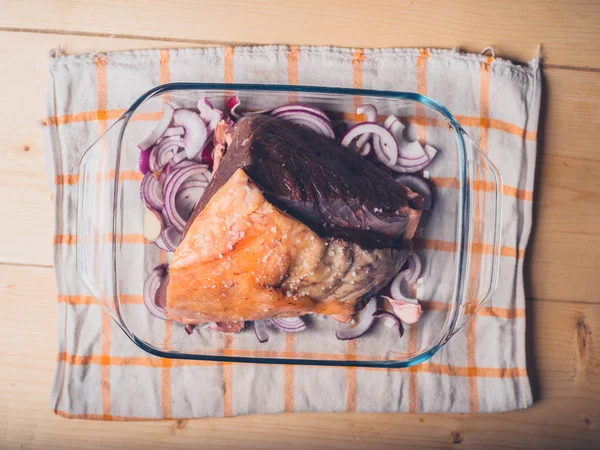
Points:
x=102 y=375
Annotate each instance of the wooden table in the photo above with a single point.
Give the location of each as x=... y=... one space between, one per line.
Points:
x=563 y=267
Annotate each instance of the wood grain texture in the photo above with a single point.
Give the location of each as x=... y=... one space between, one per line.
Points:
x=567 y=415
x=569 y=31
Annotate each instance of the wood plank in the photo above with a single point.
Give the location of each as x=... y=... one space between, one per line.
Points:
x=567 y=414
x=565 y=243
x=568 y=30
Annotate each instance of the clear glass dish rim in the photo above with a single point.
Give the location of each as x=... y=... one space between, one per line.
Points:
x=399 y=95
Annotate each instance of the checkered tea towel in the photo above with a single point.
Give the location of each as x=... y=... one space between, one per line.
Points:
x=101 y=374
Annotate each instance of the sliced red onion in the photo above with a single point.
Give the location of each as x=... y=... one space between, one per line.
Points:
x=189 y=328
x=418 y=185
x=209 y=114
x=188 y=196
x=386 y=148
x=371 y=114
x=391 y=315
x=166 y=220
x=162 y=153
x=153 y=299
x=412 y=151
x=170 y=237
x=414 y=265
x=232 y=104
x=260 y=329
x=173 y=131
x=151 y=192
x=204 y=104
x=194 y=182
x=310 y=120
x=228 y=327
x=179 y=157
x=173 y=165
x=411 y=275
x=364 y=318
x=407 y=311
x=144 y=161
x=299 y=107
x=206 y=155
x=196 y=132
x=170 y=141
x=289 y=324
x=409 y=166
x=172 y=185
x=161 y=127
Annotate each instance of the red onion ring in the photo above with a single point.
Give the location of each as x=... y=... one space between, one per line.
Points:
x=172 y=185
x=386 y=150
x=413 y=151
x=365 y=320
x=289 y=324
x=170 y=237
x=414 y=265
x=179 y=157
x=188 y=196
x=209 y=114
x=260 y=329
x=162 y=153
x=232 y=104
x=408 y=166
x=196 y=132
x=411 y=275
x=420 y=186
x=299 y=107
x=310 y=120
x=151 y=193
x=161 y=127
x=371 y=114
x=189 y=328
x=152 y=297
x=160 y=244
x=173 y=131
x=144 y=161
x=172 y=165
x=366 y=149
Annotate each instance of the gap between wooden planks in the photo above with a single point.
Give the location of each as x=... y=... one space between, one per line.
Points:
x=565 y=370
x=569 y=32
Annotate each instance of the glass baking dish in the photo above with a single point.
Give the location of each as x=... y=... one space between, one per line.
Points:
x=459 y=244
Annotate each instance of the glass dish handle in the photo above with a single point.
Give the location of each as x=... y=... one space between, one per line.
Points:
x=484 y=224
x=94 y=247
